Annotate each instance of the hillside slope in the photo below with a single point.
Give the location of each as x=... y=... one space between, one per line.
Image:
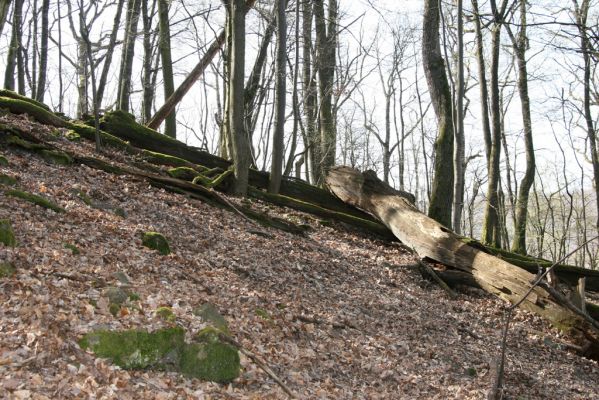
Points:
x=335 y=313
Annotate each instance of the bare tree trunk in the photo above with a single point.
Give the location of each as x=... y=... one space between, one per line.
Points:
x=41 y=83
x=460 y=141
x=309 y=96
x=241 y=156
x=433 y=63
x=296 y=111
x=124 y=94
x=14 y=50
x=148 y=87
x=326 y=45
x=109 y=52
x=4 y=7
x=491 y=234
x=167 y=65
x=519 y=241
x=278 y=150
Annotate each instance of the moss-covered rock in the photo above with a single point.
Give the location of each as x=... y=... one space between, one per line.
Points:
x=184 y=173
x=25 y=144
x=210 y=315
x=116 y=295
x=208 y=358
x=56 y=157
x=35 y=199
x=156 y=241
x=72 y=136
x=7 y=180
x=74 y=250
x=165 y=313
x=7 y=235
x=3 y=161
x=7 y=270
x=135 y=349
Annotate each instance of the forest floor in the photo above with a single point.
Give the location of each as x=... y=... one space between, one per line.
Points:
x=335 y=313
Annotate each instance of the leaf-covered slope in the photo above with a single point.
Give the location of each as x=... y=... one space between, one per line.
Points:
x=334 y=313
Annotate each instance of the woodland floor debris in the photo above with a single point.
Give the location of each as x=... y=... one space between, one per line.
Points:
x=349 y=317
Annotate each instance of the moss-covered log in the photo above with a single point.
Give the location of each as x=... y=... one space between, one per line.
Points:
x=432 y=240
x=123 y=125
x=35 y=199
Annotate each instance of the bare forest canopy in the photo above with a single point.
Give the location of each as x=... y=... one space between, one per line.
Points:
x=485 y=110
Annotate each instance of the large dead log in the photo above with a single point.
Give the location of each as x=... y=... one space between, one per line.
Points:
x=432 y=240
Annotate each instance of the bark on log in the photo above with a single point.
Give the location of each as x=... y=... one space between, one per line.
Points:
x=432 y=240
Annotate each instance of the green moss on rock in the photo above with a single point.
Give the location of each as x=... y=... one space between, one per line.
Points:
x=7 y=270
x=7 y=235
x=165 y=313
x=156 y=241
x=208 y=358
x=210 y=315
x=24 y=144
x=72 y=136
x=7 y=180
x=185 y=173
x=35 y=199
x=3 y=161
x=56 y=157
x=135 y=349
x=116 y=295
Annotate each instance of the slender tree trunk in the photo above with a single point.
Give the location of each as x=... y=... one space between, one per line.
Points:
x=519 y=241
x=296 y=111
x=442 y=188
x=148 y=88
x=109 y=52
x=133 y=10
x=491 y=230
x=254 y=82
x=309 y=96
x=41 y=83
x=167 y=65
x=482 y=77
x=241 y=156
x=278 y=150
x=460 y=141
x=326 y=45
x=4 y=7
x=14 y=49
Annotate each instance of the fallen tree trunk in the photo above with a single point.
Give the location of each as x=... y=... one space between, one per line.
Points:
x=130 y=133
x=433 y=241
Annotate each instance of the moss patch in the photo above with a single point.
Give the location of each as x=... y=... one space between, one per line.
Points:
x=56 y=157
x=7 y=235
x=7 y=270
x=165 y=313
x=74 y=250
x=210 y=315
x=35 y=199
x=164 y=159
x=165 y=350
x=7 y=180
x=72 y=136
x=3 y=161
x=155 y=241
x=185 y=173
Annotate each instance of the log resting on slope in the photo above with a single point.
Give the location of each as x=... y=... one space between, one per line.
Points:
x=432 y=240
x=125 y=128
